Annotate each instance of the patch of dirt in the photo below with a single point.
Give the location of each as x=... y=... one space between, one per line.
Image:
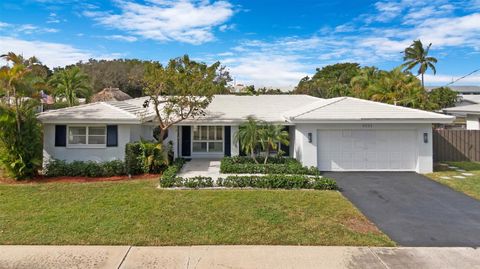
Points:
x=42 y=179
x=360 y=225
x=440 y=167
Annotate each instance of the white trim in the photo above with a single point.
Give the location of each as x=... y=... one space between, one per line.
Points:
x=87 y=145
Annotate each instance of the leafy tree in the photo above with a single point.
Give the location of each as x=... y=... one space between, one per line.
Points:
x=20 y=132
x=443 y=97
x=249 y=137
x=183 y=89
x=271 y=136
x=329 y=81
x=417 y=55
x=70 y=83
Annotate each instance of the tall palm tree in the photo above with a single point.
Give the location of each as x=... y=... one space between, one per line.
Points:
x=248 y=135
x=71 y=83
x=415 y=55
x=271 y=136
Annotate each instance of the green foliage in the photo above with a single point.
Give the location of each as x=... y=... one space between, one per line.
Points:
x=20 y=132
x=146 y=157
x=70 y=83
x=56 y=168
x=192 y=182
x=443 y=97
x=278 y=165
x=168 y=177
x=279 y=182
x=125 y=74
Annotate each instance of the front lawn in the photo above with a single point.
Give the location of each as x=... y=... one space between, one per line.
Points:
x=136 y=213
x=469 y=185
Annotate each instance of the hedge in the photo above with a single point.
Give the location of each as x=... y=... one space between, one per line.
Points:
x=133 y=162
x=278 y=182
x=168 y=177
x=276 y=165
x=192 y=182
x=56 y=168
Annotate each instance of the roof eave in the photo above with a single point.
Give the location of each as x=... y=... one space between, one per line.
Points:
x=444 y=120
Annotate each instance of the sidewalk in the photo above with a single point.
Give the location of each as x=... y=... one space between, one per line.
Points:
x=235 y=257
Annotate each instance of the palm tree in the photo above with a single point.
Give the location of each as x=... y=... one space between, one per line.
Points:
x=270 y=137
x=415 y=55
x=249 y=136
x=71 y=83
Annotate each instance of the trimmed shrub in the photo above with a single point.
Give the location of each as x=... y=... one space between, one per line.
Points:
x=168 y=177
x=133 y=160
x=56 y=168
x=278 y=182
x=193 y=182
x=275 y=165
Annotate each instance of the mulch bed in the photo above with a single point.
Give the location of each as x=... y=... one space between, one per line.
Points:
x=42 y=179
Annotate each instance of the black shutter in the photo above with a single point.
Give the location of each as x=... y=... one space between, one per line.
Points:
x=241 y=152
x=186 y=140
x=227 y=141
x=286 y=148
x=60 y=135
x=112 y=135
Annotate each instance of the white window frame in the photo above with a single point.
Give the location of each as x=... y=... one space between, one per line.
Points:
x=87 y=145
x=207 y=140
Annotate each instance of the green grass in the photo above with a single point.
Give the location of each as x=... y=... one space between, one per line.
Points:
x=136 y=213
x=470 y=185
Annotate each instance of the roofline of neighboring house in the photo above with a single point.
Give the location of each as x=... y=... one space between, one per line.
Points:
x=89 y=121
x=364 y=120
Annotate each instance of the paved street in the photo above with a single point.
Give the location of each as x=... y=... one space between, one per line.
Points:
x=235 y=257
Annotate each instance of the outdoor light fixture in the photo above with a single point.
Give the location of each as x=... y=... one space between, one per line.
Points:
x=425 y=138
x=309 y=137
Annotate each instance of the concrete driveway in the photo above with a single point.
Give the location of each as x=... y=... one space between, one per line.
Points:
x=412 y=209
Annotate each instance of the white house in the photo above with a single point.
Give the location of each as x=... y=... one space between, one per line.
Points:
x=338 y=134
x=471 y=113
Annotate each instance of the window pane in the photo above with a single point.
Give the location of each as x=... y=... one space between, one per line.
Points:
x=196 y=133
x=211 y=133
x=219 y=133
x=96 y=131
x=203 y=132
x=199 y=147
x=77 y=140
x=77 y=131
x=215 y=147
x=96 y=139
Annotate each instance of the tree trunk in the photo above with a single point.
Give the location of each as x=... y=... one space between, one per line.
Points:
x=267 y=153
x=253 y=156
x=423 y=85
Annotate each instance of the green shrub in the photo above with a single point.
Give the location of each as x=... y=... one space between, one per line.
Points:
x=276 y=165
x=56 y=168
x=168 y=177
x=193 y=182
x=133 y=161
x=278 y=182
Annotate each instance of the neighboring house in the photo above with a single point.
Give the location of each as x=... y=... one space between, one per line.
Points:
x=464 y=90
x=338 y=134
x=471 y=113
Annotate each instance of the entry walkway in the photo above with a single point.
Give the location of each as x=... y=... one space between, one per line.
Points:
x=201 y=167
x=199 y=257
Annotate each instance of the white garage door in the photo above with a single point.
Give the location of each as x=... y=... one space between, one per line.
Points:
x=367 y=150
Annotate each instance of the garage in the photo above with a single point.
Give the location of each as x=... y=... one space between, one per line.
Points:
x=367 y=150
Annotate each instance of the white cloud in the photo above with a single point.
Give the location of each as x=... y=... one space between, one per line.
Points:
x=122 y=38
x=53 y=18
x=185 y=21
x=226 y=27
x=51 y=54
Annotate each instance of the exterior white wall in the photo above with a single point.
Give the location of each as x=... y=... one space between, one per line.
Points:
x=473 y=122
x=235 y=149
x=84 y=154
x=306 y=152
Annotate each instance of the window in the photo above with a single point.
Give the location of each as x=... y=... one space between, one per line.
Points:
x=207 y=139
x=87 y=135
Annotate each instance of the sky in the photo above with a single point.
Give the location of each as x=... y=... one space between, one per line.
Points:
x=266 y=43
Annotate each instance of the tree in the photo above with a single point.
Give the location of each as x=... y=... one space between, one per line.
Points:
x=71 y=83
x=329 y=81
x=183 y=89
x=443 y=97
x=20 y=132
x=249 y=137
x=271 y=136
x=415 y=55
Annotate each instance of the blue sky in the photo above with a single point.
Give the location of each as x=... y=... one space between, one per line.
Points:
x=266 y=43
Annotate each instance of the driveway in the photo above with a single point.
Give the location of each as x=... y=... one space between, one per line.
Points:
x=412 y=209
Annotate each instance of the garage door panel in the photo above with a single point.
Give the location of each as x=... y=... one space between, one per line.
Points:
x=343 y=150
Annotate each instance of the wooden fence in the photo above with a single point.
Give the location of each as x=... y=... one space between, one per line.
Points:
x=456 y=145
